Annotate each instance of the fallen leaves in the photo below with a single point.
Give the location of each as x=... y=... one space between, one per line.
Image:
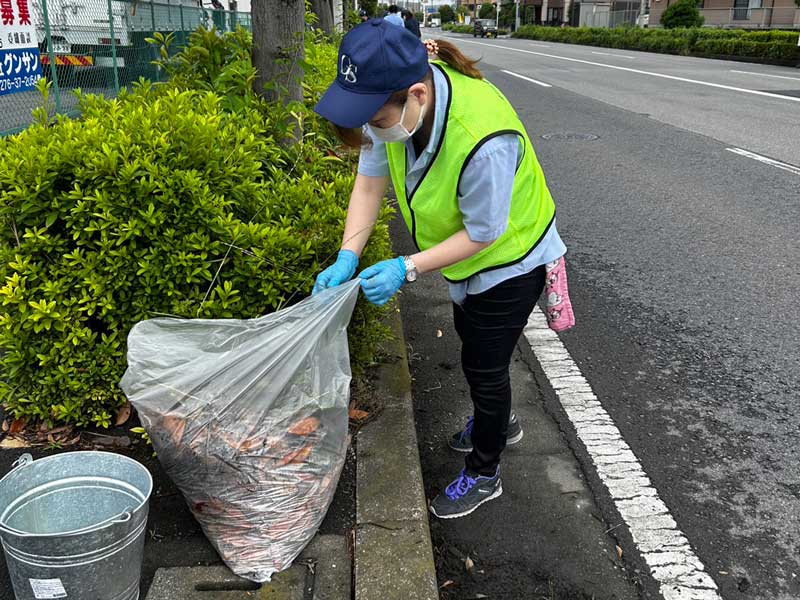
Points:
x=439 y=333
x=358 y=416
x=447 y=584
x=305 y=426
x=19 y=435
x=619 y=551
x=123 y=414
x=469 y=565
x=14 y=442
x=17 y=426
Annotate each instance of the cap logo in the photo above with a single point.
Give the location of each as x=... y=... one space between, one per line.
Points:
x=348 y=69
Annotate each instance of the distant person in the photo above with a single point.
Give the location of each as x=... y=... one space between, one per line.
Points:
x=363 y=16
x=219 y=14
x=394 y=16
x=411 y=23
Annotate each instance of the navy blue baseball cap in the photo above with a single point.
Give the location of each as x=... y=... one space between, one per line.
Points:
x=376 y=59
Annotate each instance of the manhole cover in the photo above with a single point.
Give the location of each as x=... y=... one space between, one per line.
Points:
x=570 y=137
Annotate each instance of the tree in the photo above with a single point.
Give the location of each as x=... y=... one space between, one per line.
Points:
x=683 y=13
x=324 y=12
x=508 y=15
x=487 y=11
x=529 y=15
x=446 y=13
x=278 y=27
x=371 y=6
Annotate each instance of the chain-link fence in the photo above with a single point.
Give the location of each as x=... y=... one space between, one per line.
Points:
x=99 y=47
x=611 y=18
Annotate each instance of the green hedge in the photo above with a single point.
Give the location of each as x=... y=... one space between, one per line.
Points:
x=456 y=28
x=178 y=199
x=779 y=46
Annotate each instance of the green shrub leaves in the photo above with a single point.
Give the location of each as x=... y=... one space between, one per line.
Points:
x=173 y=199
x=780 y=46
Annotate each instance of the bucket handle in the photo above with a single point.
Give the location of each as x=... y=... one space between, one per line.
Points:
x=23 y=461
x=123 y=517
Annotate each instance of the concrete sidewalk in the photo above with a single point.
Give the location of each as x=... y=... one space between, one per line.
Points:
x=544 y=537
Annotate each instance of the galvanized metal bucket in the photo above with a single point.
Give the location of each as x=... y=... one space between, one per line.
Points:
x=73 y=526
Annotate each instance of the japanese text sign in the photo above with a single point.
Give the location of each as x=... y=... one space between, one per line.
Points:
x=20 y=67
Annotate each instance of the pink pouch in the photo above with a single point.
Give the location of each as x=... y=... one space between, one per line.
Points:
x=558 y=307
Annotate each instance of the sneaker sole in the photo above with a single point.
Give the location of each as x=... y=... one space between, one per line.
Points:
x=496 y=494
x=509 y=442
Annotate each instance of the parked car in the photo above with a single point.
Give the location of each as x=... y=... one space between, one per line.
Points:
x=485 y=28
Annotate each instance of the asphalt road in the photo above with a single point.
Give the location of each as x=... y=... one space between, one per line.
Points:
x=684 y=273
x=762 y=124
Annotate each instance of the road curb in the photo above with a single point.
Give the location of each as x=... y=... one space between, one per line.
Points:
x=393 y=557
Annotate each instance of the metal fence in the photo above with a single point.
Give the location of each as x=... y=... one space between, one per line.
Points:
x=99 y=46
x=611 y=18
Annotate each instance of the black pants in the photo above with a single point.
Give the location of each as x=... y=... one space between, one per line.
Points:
x=489 y=325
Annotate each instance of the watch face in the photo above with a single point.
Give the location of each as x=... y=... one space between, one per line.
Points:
x=411 y=275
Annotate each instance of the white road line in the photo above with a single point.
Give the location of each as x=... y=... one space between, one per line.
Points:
x=640 y=72
x=539 y=45
x=765 y=160
x=541 y=83
x=612 y=54
x=766 y=75
x=665 y=549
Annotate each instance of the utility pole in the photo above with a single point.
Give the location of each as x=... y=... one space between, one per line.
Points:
x=516 y=20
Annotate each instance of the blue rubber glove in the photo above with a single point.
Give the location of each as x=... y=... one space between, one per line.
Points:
x=338 y=273
x=382 y=280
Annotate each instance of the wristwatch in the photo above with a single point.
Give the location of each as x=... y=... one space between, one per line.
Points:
x=411 y=269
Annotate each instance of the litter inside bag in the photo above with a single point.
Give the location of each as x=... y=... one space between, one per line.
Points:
x=249 y=419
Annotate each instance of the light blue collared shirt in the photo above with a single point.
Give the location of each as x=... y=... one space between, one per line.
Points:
x=484 y=196
x=395 y=19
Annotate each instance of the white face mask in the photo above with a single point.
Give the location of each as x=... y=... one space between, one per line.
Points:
x=398 y=131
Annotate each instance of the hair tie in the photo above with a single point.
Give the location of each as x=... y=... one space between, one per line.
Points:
x=432 y=47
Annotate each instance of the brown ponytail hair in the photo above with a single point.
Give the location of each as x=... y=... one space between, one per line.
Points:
x=453 y=58
x=444 y=51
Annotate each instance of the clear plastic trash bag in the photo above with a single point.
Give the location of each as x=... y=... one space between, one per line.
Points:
x=250 y=420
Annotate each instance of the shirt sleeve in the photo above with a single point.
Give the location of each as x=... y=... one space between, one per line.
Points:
x=373 y=160
x=484 y=194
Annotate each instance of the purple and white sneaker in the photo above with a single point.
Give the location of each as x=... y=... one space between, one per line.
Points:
x=466 y=494
x=462 y=441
